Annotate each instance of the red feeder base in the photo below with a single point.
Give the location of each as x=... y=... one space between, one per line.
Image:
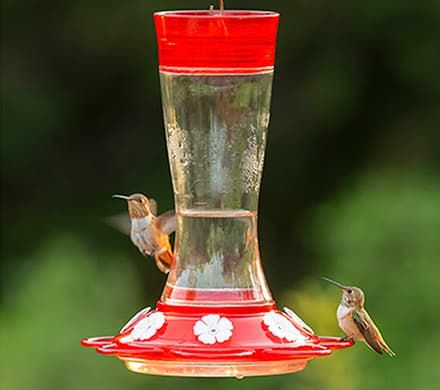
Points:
x=213 y=341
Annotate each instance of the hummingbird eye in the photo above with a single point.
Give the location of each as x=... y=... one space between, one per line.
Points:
x=349 y=290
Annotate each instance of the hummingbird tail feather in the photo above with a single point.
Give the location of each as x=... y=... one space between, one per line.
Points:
x=164 y=261
x=373 y=346
x=387 y=349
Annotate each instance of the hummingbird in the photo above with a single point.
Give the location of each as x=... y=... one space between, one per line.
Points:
x=354 y=320
x=148 y=232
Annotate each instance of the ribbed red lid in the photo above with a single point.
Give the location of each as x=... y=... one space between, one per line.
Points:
x=209 y=42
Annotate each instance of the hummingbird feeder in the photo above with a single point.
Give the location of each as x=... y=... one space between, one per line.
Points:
x=216 y=315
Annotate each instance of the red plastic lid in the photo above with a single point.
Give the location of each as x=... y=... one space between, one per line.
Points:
x=209 y=42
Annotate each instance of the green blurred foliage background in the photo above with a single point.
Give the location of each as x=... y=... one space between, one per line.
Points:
x=351 y=186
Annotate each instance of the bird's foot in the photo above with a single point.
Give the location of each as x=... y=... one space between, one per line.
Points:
x=347 y=338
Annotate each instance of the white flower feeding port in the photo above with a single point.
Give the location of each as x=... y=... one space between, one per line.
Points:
x=296 y=319
x=282 y=328
x=140 y=314
x=146 y=328
x=212 y=328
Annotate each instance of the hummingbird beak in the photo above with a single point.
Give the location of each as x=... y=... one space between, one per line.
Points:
x=121 y=197
x=335 y=283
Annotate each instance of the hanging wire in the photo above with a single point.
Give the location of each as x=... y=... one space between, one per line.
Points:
x=222 y=8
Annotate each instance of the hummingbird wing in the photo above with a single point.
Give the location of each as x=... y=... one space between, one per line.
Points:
x=378 y=336
x=367 y=328
x=153 y=206
x=120 y=222
x=166 y=222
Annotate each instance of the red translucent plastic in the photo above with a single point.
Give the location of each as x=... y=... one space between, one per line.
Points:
x=210 y=42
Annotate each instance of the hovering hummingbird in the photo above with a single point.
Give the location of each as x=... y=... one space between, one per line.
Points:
x=354 y=320
x=147 y=231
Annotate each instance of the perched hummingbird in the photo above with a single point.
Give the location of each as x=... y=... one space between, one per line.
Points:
x=354 y=320
x=147 y=231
